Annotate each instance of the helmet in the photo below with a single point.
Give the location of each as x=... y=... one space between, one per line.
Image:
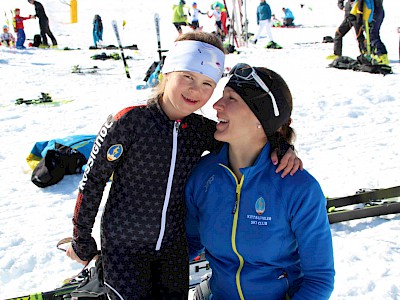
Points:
x=194 y=3
x=5 y=27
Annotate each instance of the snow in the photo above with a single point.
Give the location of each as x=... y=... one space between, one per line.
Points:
x=347 y=126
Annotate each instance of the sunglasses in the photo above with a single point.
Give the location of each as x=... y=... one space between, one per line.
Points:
x=247 y=72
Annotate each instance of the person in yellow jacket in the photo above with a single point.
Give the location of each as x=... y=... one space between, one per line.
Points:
x=179 y=18
x=370 y=14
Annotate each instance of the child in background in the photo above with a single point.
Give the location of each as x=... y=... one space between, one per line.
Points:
x=7 y=38
x=216 y=13
x=195 y=17
x=18 y=23
x=97 y=31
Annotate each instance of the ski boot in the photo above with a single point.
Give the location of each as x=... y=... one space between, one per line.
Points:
x=332 y=57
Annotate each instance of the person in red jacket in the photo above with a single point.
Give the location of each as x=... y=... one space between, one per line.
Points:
x=18 y=23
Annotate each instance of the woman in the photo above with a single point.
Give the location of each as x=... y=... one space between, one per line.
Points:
x=265 y=238
x=150 y=150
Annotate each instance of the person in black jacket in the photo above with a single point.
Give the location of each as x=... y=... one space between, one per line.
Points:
x=150 y=151
x=43 y=23
x=348 y=22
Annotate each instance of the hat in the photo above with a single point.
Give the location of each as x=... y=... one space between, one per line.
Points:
x=194 y=3
x=5 y=27
x=260 y=102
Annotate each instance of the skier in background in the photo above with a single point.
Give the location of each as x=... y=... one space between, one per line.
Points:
x=379 y=50
x=348 y=22
x=43 y=24
x=195 y=17
x=97 y=31
x=216 y=13
x=7 y=38
x=179 y=18
x=275 y=21
x=371 y=13
x=264 y=22
x=18 y=23
x=224 y=15
x=288 y=18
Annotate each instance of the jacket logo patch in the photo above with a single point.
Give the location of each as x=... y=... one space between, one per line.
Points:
x=114 y=152
x=260 y=206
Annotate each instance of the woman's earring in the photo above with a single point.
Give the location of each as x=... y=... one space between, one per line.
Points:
x=259 y=126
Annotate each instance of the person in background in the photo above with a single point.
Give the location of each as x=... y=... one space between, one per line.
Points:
x=195 y=17
x=380 y=54
x=275 y=21
x=43 y=24
x=7 y=39
x=179 y=18
x=216 y=13
x=264 y=22
x=265 y=237
x=224 y=15
x=348 y=22
x=97 y=31
x=18 y=23
x=288 y=18
x=150 y=150
x=370 y=14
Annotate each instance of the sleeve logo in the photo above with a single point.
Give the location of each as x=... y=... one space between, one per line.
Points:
x=114 y=152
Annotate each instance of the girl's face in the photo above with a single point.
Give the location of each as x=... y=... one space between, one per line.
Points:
x=185 y=92
x=236 y=122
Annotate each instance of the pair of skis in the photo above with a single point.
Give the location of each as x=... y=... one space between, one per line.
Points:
x=365 y=203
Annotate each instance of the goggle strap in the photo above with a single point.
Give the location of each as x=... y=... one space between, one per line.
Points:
x=265 y=88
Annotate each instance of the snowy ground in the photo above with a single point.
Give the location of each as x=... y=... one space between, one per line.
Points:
x=347 y=126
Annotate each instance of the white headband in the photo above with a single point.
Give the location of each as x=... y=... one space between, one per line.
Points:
x=196 y=57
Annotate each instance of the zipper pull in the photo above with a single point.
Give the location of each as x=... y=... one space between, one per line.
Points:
x=177 y=125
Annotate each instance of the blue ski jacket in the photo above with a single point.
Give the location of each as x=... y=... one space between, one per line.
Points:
x=289 y=14
x=265 y=237
x=263 y=12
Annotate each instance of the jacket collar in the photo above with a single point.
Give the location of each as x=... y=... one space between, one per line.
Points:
x=262 y=162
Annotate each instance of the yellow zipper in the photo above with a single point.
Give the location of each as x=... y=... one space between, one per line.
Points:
x=234 y=227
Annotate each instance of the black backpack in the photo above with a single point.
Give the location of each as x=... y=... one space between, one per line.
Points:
x=58 y=162
x=37 y=40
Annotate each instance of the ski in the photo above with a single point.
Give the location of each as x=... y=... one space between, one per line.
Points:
x=115 y=27
x=364 y=196
x=369 y=203
x=44 y=98
x=385 y=208
x=157 y=24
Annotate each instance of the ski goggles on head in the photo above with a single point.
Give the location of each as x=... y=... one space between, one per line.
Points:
x=247 y=72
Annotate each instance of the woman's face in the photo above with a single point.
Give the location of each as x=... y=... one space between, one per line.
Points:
x=185 y=92
x=236 y=122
